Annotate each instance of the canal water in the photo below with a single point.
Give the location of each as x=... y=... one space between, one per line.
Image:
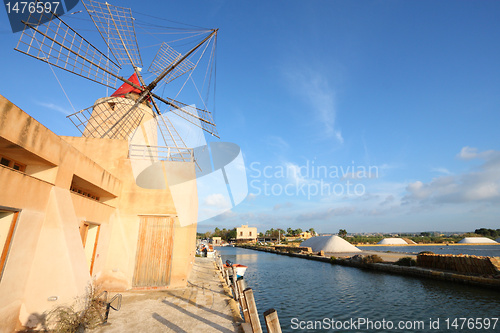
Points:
x=313 y=296
x=477 y=250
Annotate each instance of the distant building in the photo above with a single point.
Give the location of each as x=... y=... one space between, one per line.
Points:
x=216 y=241
x=306 y=235
x=246 y=234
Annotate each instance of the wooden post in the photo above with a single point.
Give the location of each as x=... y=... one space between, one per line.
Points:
x=243 y=303
x=235 y=286
x=252 y=311
x=219 y=263
x=272 y=321
x=226 y=277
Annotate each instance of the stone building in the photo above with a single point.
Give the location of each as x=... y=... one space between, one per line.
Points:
x=75 y=210
x=246 y=234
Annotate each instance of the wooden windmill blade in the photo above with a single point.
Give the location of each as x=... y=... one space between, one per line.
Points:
x=199 y=117
x=56 y=43
x=116 y=26
x=111 y=117
x=165 y=57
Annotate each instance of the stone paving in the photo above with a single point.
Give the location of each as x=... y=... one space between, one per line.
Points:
x=203 y=306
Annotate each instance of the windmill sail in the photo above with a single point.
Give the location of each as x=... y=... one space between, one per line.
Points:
x=199 y=117
x=165 y=58
x=58 y=44
x=116 y=26
x=111 y=117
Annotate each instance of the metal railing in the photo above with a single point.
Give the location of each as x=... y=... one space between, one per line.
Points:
x=161 y=153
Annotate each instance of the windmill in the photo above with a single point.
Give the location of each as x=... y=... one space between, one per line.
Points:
x=119 y=116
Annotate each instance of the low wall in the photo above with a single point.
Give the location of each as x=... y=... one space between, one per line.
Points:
x=290 y=249
x=467 y=264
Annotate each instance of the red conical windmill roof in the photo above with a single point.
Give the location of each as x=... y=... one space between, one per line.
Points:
x=127 y=88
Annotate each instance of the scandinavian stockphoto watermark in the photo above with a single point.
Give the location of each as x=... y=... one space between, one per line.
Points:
x=310 y=179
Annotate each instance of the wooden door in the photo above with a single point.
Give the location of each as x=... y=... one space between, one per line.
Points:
x=8 y=222
x=154 y=251
x=90 y=236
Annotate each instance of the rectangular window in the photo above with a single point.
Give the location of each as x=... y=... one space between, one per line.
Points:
x=12 y=164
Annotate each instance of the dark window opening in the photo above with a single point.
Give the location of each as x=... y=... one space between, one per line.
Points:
x=84 y=193
x=12 y=164
x=5 y=161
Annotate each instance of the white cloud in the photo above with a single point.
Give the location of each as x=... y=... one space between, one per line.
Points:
x=469 y=153
x=477 y=185
x=388 y=200
x=278 y=142
x=251 y=196
x=217 y=200
x=326 y=214
x=282 y=205
x=294 y=174
x=441 y=170
x=55 y=108
x=315 y=89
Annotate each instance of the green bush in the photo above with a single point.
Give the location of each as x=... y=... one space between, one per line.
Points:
x=372 y=259
x=406 y=261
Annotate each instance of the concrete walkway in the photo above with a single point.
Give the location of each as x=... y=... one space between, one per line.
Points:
x=204 y=306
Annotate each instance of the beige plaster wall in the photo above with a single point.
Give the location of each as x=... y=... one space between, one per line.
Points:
x=47 y=257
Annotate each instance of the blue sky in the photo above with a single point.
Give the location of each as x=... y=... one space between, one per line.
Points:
x=410 y=89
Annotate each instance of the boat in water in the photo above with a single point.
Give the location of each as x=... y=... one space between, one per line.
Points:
x=238 y=268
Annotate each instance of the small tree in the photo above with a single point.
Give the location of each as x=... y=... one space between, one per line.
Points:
x=231 y=234
x=342 y=233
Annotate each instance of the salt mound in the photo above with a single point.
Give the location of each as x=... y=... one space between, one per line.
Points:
x=477 y=240
x=329 y=244
x=393 y=241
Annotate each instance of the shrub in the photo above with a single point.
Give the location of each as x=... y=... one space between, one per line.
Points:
x=406 y=261
x=372 y=259
x=426 y=252
x=332 y=259
x=86 y=313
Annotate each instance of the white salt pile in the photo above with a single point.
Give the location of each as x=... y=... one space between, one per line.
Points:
x=477 y=240
x=329 y=244
x=393 y=241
